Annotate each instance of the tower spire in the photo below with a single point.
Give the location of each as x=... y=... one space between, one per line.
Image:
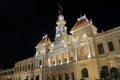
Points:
x=60 y=20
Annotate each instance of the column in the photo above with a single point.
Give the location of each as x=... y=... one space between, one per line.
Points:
x=61 y=58
x=89 y=51
x=75 y=54
x=67 y=56
x=50 y=61
x=105 y=46
x=115 y=43
x=55 y=60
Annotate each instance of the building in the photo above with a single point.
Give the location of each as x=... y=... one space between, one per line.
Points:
x=82 y=54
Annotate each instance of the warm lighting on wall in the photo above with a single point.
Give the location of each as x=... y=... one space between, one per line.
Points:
x=84 y=35
x=88 y=56
x=52 y=45
x=49 y=64
x=76 y=38
x=61 y=62
x=65 y=45
x=63 y=41
x=41 y=66
x=67 y=61
x=76 y=58
x=50 y=50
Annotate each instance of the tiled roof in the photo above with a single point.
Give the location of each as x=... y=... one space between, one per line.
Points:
x=44 y=40
x=80 y=23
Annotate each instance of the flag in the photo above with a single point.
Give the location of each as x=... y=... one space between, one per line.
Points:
x=60 y=7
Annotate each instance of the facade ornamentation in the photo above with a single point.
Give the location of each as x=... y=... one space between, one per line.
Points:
x=79 y=55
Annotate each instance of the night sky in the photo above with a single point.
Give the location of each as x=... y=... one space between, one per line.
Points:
x=24 y=22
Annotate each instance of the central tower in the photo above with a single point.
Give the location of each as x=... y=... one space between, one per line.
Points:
x=61 y=29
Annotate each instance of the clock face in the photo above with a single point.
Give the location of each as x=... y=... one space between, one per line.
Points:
x=83 y=51
x=60 y=17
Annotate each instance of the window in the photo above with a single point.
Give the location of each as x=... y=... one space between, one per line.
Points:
x=84 y=73
x=59 y=77
x=53 y=62
x=66 y=76
x=100 y=48
x=73 y=76
x=37 y=77
x=104 y=72
x=32 y=66
x=53 y=77
x=40 y=62
x=20 y=68
x=29 y=66
x=65 y=59
x=59 y=61
x=111 y=47
x=71 y=58
x=23 y=68
x=48 y=77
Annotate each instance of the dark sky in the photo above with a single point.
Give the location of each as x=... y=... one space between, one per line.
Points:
x=24 y=22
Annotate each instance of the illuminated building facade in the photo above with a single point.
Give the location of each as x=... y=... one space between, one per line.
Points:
x=82 y=54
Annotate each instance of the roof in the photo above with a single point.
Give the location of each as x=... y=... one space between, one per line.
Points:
x=80 y=23
x=44 y=40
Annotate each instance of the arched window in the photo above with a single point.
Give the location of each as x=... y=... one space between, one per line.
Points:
x=59 y=77
x=53 y=78
x=37 y=77
x=73 y=76
x=104 y=73
x=48 y=78
x=71 y=56
x=84 y=73
x=66 y=76
x=40 y=63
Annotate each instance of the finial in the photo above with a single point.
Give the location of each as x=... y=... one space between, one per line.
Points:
x=81 y=17
x=102 y=30
x=80 y=14
x=84 y=16
x=45 y=35
x=91 y=20
x=78 y=19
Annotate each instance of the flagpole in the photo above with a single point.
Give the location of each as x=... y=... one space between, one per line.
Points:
x=60 y=9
